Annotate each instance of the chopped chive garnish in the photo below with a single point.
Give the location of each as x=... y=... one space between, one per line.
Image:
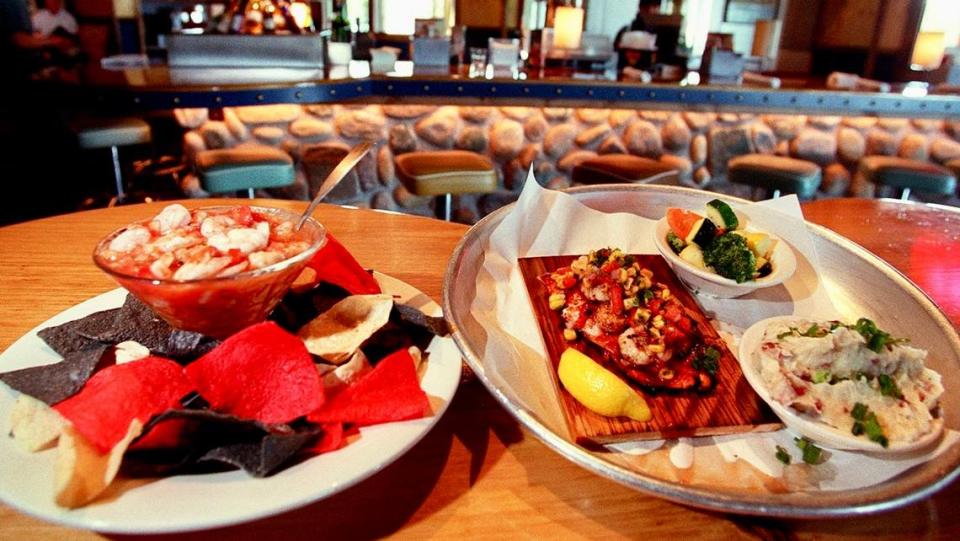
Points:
x=811 y=453
x=821 y=376
x=782 y=455
x=708 y=361
x=888 y=387
x=866 y=423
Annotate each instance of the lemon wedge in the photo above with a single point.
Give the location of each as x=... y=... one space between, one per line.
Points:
x=599 y=389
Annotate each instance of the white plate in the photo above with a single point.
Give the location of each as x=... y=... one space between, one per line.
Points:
x=193 y=502
x=805 y=425
x=703 y=281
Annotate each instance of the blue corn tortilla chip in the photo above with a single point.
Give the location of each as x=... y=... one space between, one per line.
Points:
x=136 y=321
x=53 y=383
x=298 y=309
x=79 y=333
x=407 y=326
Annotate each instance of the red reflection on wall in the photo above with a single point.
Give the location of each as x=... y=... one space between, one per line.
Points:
x=935 y=267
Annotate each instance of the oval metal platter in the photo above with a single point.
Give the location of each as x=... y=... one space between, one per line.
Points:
x=859 y=284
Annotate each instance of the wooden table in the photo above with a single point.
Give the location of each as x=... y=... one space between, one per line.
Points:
x=477 y=473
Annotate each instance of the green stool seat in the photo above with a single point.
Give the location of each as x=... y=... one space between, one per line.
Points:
x=907 y=175
x=446 y=173
x=775 y=174
x=623 y=169
x=247 y=168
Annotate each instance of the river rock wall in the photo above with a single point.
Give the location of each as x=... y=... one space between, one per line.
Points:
x=552 y=141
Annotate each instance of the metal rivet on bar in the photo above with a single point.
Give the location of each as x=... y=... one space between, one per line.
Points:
x=217 y=99
x=590 y=92
x=459 y=89
x=359 y=88
x=426 y=88
x=389 y=87
x=298 y=94
x=559 y=91
x=333 y=91
x=622 y=93
x=176 y=99
x=493 y=89
x=259 y=97
x=739 y=97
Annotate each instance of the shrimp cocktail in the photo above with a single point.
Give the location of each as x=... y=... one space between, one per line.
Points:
x=212 y=270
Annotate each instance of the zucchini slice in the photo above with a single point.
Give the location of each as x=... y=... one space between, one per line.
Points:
x=702 y=233
x=694 y=255
x=721 y=214
x=676 y=243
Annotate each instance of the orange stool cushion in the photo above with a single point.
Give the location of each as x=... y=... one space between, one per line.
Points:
x=446 y=171
x=619 y=169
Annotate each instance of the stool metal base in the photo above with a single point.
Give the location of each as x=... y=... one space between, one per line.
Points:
x=117 y=177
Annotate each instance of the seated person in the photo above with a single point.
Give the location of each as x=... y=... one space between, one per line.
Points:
x=53 y=19
x=633 y=58
x=26 y=49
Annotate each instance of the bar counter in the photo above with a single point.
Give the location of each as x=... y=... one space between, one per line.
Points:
x=164 y=87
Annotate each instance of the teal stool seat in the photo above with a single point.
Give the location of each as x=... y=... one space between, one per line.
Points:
x=775 y=174
x=906 y=175
x=101 y=132
x=248 y=168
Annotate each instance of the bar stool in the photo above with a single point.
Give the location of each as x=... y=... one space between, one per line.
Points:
x=623 y=169
x=247 y=168
x=900 y=173
x=111 y=133
x=446 y=173
x=772 y=175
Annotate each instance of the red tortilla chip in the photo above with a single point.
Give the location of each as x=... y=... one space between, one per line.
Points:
x=103 y=410
x=389 y=392
x=262 y=373
x=334 y=437
x=335 y=265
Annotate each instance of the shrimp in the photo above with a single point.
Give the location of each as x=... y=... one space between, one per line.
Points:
x=216 y=224
x=170 y=218
x=243 y=239
x=201 y=269
x=130 y=239
x=262 y=259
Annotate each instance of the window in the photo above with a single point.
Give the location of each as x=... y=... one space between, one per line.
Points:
x=397 y=16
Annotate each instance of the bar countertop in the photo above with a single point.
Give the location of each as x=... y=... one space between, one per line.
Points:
x=165 y=87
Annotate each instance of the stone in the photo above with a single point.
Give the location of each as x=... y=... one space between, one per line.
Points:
x=953 y=128
x=881 y=143
x=544 y=171
x=559 y=140
x=192 y=144
x=514 y=174
x=592 y=135
x=407 y=200
x=472 y=138
x=746 y=116
x=490 y=202
x=785 y=126
x=506 y=139
x=557 y=114
x=944 y=150
x=592 y=116
x=675 y=133
x=237 y=128
x=681 y=165
x=573 y=158
x=529 y=155
x=698 y=149
x=268 y=114
x=815 y=146
x=438 y=128
x=270 y=135
x=402 y=139
x=216 y=135
x=382 y=201
x=405 y=112
x=558 y=182
x=927 y=125
x=861 y=123
x=826 y=123
x=535 y=128
x=619 y=118
x=366 y=170
x=783 y=148
x=612 y=145
x=913 y=146
x=643 y=139
x=317 y=163
x=293 y=148
x=836 y=180
x=385 y=167
x=764 y=140
x=724 y=143
x=322 y=111
x=893 y=125
x=191 y=118
x=360 y=124
x=516 y=113
x=658 y=117
x=728 y=118
x=851 y=146
x=477 y=115
x=702 y=177
x=311 y=130
x=699 y=122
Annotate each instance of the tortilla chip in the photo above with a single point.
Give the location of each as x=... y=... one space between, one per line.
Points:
x=260 y=458
x=137 y=322
x=412 y=315
x=389 y=392
x=102 y=411
x=262 y=373
x=34 y=425
x=335 y=334
x=53 y=383
x=297 y=309
x=346 y=373
x=81 y=471
x=335 y=265
x=78 y=334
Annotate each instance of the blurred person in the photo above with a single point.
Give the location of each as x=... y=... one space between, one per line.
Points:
x=641 y=23
x=52 y=19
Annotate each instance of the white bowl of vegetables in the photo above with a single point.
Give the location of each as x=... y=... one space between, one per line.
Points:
x=717 y=254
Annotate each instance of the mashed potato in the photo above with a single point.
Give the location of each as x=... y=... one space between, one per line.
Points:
x=824 y=369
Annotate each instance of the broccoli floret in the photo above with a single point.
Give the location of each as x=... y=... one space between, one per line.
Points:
x=730 y=256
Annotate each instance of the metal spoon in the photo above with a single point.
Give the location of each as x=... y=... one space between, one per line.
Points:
x=335 y=177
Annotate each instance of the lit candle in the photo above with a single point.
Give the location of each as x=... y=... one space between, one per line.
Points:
x=567 y=27
x=928 y=51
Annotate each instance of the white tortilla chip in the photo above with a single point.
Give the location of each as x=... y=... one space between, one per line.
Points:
x=347 y=373
x=34 y=425
x=335 y=334
x=81 y=473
